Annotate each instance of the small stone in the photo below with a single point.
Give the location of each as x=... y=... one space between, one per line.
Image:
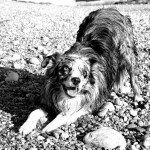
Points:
x=107 y=138
x=118 y=102
x=35 y=61
x=1 y=52
x=41 y=48
x=146 y=141
x=133 y=147
x=26 y=31
x=12 y=76
x=140 y=129
x=133 y=112
x=105 y=108
x=40 y=138
x=16 y=42
x=109 y=106
x=45 y=51
x=33 y=148
x=16 y=57
x=125 y=118
x=46 y=39
x=131 y=126
x=138 y=98
x=141 y=123
x=17 y=66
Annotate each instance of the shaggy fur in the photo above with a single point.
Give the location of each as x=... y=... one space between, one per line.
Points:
x=80 y=80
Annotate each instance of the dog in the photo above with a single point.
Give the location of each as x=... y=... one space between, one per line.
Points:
x=79 y=81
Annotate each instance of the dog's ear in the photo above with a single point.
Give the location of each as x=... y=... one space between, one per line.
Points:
x=50 y=60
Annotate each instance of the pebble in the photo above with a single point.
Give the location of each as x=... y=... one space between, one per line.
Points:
x=1 y=52
x=16 y=42
x=46 y=39
x=140 y=123
x=106 y=137
x=146 y=141
x=133 y=147
x=133 y=112
x=45 y=51
x=16 y=57
x=17 y=66
x=132 y=126
x=33 y=148
x=12 y=76
x=35 y=61
x=40 y=138
x=40 y=47
x=118 y=102
x=108 y=106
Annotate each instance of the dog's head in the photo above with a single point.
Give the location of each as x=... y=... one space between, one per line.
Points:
x=71 y=72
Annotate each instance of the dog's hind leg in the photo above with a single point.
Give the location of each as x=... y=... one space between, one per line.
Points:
x=120 y=80
x=133 y=80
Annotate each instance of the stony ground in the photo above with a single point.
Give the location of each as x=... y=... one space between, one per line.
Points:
x=30 y=31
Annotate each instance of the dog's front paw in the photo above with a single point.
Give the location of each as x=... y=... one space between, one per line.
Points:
x=27 y=128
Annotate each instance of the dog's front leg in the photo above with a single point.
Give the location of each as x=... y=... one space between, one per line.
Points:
x=62 y=119
x=32 y=120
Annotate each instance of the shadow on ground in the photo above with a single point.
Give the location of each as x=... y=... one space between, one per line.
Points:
x=19 y=98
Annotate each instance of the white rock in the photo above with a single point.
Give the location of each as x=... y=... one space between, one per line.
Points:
x=17 y=66
x=133 y=112
x=105 y=108
x=107 y=138
x=110 y=106
x=16 y=57
x=35 y=61
x=146 y=141
x=45 y=51
x=46 y=39
x=12 y=76
x=1 y=52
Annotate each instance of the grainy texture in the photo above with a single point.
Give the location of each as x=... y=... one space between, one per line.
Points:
x=32 y=30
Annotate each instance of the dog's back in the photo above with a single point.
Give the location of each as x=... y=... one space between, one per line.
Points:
x=106 y=29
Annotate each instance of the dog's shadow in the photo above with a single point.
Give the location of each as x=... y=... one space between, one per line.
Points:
x=19 y=98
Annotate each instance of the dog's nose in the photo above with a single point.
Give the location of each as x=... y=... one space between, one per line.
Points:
x=75 y=80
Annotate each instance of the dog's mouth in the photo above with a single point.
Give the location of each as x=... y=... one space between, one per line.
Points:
x=70 y=91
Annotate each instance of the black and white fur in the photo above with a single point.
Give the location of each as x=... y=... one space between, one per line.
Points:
x=80 y=80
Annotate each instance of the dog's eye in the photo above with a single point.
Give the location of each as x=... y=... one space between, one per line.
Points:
x=84 y=74
x=65 y=70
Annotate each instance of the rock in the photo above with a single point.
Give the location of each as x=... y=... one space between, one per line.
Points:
x=1 y=52
x=132 y=126
x=12 y=76
x=118 y=102
x=17 y=66
x=107 y=138
x=35 y=61
x=141 y=123
x=133 y=112
x=146 y=141
x=45 y=51
x=40 y=138
x=138 y=98
x=105 y=108
x=46 y=39
x=16 y=57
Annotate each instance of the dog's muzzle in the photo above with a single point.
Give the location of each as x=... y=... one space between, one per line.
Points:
x=70 y=91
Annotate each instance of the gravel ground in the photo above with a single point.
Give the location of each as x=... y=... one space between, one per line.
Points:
x=29 y=31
